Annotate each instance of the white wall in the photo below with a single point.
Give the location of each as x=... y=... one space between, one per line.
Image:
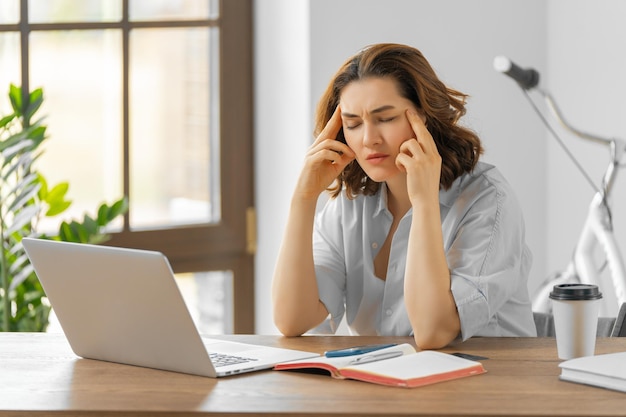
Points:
x=282 y=129
x=587 y=75
x=300 y=44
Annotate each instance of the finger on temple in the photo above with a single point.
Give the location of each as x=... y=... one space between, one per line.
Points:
x=332 y=128
x=422 y=134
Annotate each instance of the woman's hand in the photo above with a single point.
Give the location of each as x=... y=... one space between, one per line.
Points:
x=324 y=161
x=296 y=300
x=421 y=161
x=430 y=305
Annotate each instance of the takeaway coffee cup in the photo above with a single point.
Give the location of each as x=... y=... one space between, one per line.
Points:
x=575 y=309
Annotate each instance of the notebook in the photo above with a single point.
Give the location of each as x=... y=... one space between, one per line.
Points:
x=605 y=371
x=124 y=305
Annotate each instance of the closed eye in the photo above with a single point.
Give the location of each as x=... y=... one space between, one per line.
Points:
x=353 y=126
x=389 y=119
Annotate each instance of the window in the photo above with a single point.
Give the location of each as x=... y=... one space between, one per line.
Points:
x=151 y=99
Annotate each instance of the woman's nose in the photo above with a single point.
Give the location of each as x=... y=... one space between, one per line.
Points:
x=371 y=135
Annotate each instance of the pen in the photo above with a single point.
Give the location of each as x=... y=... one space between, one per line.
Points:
x=375 y=357
x=356 y=350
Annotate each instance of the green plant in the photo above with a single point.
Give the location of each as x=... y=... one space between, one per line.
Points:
x=25 y=198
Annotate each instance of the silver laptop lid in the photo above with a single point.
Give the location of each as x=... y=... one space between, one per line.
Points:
x=119 y=305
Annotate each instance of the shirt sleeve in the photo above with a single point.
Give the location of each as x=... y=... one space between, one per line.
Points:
x=329 y=259
x=487 y=256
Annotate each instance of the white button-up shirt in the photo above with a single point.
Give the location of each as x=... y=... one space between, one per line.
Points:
x=488 y=259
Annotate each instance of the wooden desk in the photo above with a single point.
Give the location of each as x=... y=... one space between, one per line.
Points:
x=39 y=375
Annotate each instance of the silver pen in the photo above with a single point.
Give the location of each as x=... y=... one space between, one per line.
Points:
x=375 y=357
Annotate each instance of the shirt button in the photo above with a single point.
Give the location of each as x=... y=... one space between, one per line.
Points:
x=374 y=245
x=389 y=312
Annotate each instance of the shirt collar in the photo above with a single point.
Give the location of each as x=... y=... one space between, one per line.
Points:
x=381 y=206
x=446 y=197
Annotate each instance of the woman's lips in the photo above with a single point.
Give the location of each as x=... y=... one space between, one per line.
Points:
x=376 y=158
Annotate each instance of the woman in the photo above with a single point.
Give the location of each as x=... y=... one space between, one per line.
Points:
x=419 y=237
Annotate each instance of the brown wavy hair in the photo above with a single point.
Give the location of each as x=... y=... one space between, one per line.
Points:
x=458 y=146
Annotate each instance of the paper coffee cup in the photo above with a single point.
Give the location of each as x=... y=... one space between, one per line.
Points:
x=575 y=308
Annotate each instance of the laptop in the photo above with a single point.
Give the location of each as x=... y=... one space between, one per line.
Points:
x=124 y=305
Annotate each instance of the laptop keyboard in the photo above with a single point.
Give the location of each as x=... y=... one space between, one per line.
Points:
x=222 y=359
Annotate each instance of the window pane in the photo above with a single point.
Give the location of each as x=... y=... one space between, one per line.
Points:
x=55 y=11
x=9 y=12
x=174 y=152
x=80 y=73
x=9 y=68
x=172 y=10
x=209 y=297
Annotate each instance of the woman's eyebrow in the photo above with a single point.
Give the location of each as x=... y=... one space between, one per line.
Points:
x=380 y=109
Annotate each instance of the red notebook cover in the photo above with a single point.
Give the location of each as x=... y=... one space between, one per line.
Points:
x=410 y=369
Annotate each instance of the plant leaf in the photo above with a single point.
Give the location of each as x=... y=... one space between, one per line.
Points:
x=80 y=230
x=43 y=190
x=27 y=194
x=55 y=198
x=13 y=139
x=99 y=239
x=58 y=192
x=35 y=101
x=15 y=96
x=24 y=163
x=21 y=275
x=107 y=213
x=23 y=218
x=65 y=233
x=90 y=225
x=6 y=120
x=119 y=207
x=38 y=134
x=57 y=208
x=10 y=152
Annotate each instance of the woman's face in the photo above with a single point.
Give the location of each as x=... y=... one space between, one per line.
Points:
x=375 y=124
